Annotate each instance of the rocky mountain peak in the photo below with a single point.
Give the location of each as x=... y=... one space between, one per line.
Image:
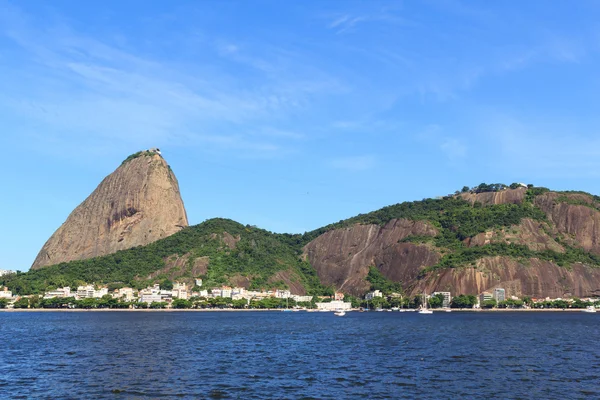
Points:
x=137 y=204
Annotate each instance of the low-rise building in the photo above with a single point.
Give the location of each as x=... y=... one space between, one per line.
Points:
x=5 y=293
x=302 y=299
x=282 y=294
x=334 y=305
x=180 y=291
x=60 y=292
x=125 y=293
x=150 y=295
x=225 y=291
x=485 y=296
x=89 y=292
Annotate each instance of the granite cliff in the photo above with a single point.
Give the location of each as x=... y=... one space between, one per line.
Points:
x=529 y=241
x=137 y=204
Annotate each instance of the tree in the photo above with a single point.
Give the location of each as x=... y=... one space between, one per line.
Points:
x=436 y=301
x=23 y=302
x=3 y=303
x=181 y=303
x=489 y=303
x=465 y=189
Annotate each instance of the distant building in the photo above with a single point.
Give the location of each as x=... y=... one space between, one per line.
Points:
x=198 y=282
x=338 y=296
x=5 y=293
x=447 y=298
x=373 y=294
x=225 y=291
x=180 y=291
x=60 y=292
x=334 y=305
x=499 y=295
x=302 y=299
x=155 y=150
x=151 y=295
x=89 y=292
x=485 y=296
x=282 y=294
x=125 y=293
x=6 y=272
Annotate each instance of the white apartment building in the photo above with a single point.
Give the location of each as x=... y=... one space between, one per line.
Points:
x=180 y=291
x=334 y=305
x=125 y=293
x=282 y=294
x=88 y=292
x=302 y=299
x=150 y=295
x=225 y=291
x=60 y=292
x=5 y=294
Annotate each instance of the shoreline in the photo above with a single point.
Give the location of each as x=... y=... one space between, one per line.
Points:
x=501 y=310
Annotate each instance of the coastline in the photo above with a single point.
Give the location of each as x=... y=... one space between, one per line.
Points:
x=501 y=310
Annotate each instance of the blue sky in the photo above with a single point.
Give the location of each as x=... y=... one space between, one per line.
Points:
x=291 y=115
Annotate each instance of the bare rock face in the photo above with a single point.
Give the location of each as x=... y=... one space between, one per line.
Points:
x=509 y=196
x=579 y=223
x=137 y=204
x=534 y=277
x=342 y=257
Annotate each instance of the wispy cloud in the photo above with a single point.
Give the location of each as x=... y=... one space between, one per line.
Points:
x=81 y=87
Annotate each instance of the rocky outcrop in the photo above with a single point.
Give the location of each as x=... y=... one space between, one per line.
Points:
x=579 y=224
x=536 y=278
x=137 y=204
x=533 y=234
x=508 y=196
x=342 y=257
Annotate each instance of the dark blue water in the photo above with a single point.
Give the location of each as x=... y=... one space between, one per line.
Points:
x=278 y=355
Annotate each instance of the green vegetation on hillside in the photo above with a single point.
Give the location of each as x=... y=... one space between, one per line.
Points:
x=258 y=255
x=380 y=282
x=136 y=155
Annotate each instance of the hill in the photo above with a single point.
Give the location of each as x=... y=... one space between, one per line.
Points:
x=530 y=241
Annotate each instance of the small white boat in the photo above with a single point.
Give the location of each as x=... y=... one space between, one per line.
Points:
x=424 y=309
x=340 y=313
x=589 y=309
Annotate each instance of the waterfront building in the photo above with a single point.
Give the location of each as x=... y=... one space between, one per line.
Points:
x=60 y=292
x=373 y=294
x=5 y=293
x=499 y=294
x=334 y=305
x=225 y=291
x=447 y=298
x=89 y=292
x=180 y=291
x=150 y=295
x=282 y=294
x=302 y=299
x=338 y=296
x=125 y=293
x=485 y=296
x=203 y=293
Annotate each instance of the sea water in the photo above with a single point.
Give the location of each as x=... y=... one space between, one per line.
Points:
x=299 y=355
